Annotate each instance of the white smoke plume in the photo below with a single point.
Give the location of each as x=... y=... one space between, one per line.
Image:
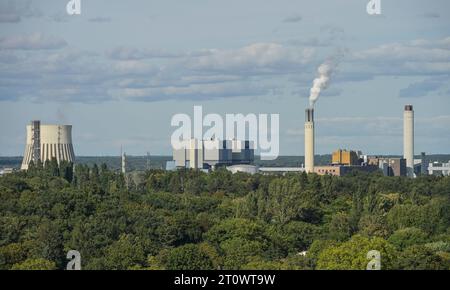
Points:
x=321 y=82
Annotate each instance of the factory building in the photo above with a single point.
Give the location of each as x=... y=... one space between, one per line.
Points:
x=45 y=142
x=344 y=157
x=341 y=170
x=207 y=154
x=438 y=168
x=390 y=166
x=244 y=168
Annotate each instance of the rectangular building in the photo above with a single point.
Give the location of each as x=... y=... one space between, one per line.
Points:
x=344 y=157
x=389 y=165
x=205 y=154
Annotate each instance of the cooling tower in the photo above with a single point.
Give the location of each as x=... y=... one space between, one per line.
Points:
x=309 y=140
x=45 y=142
x=408 y=139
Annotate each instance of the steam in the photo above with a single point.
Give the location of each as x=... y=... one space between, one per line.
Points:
x=321 y=82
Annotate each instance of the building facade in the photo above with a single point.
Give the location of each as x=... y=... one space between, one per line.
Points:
x=207 y=154
x=389 y=166
x=345 y=157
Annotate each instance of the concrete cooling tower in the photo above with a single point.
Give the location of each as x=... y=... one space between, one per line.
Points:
x=45 y=142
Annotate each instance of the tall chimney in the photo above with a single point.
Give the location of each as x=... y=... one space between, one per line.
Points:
x=309 y=140
x=124 y=163
x=408 y=139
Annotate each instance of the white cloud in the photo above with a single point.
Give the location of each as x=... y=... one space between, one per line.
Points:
x=257 y=57
x=130 y=53
x=33 y=41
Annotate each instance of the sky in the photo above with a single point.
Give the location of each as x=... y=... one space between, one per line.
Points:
x=120 y=70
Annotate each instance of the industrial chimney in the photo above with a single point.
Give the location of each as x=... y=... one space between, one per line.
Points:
x=408 y=139
x=309 y=140
x=45 y=142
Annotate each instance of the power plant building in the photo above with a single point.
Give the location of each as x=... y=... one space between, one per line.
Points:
x=206 y=154
x=341 y=170
x=390 y=166
x=344 y=157
x=45 y=142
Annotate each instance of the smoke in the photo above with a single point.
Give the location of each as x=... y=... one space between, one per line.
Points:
x=60 y=115
x=321 y=82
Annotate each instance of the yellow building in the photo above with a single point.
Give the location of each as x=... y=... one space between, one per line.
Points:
x=344 y=157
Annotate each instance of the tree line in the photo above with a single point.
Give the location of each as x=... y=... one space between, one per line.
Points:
x=188 y=219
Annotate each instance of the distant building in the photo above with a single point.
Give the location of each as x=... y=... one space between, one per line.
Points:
x=207 y=154
x=437 y=168
x=344 y=157
x=341 y=170
x=421 y=165
x=280 y=170
x=424 y=164
x=245 y=168
x=389 y=166
x=4 y=171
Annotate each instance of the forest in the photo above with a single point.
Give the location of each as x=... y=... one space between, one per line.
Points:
x=186 y=219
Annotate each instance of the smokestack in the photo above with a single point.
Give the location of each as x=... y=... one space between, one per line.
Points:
x=408 y=139
x=124 y=163
x=309 y=140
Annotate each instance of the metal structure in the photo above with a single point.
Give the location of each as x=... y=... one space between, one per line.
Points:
x=36 y=140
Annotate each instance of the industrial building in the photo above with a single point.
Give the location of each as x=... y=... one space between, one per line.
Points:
x=207 y=154
x=390 y=166
x=341 y=170
x=438 y=168
x=7 y=170
x=45 y=142
x=344 y=157
x=245 y=168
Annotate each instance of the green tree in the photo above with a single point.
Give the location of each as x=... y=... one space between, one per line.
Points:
x=352 y=255
x=408 y=237
x=340 y=228
x=35 y=264
x=284 y=199
x=188 y=257
x=124 y=254
x=419 y=257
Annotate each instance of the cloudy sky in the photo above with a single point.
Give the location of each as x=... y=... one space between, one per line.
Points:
x=119 y=71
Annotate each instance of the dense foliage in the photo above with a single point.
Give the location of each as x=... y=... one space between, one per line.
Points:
x=192 y=220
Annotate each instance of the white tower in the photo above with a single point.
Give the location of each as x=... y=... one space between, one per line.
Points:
x=309 y=140
x=45 y=142
x=124 y=162
x=408 y=139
